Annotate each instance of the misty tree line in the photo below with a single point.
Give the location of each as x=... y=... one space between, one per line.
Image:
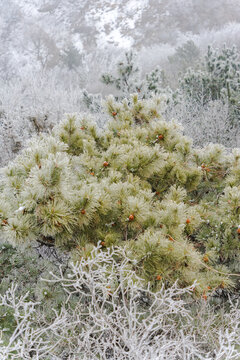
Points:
x=205 y=99
x=47 y=38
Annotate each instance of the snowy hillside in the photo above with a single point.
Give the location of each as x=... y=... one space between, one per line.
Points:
x=39 y=31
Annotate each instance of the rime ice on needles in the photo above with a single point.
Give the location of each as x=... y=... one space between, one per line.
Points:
x=138 y=175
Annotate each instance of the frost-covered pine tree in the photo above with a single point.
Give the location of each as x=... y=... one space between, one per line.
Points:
x=218 y=79
x=139 y=184
x=128 y=79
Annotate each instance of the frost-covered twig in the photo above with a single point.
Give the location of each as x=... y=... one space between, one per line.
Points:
x=110 y=314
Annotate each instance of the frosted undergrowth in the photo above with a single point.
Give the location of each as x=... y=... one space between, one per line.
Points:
x=110 y=314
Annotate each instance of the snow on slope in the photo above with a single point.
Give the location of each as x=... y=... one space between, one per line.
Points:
x=107 y=21
x=30 y=29
x=111 y=19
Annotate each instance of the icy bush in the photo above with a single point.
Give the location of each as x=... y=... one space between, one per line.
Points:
x=108 y=313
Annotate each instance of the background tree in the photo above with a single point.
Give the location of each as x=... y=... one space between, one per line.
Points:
x=185 y=56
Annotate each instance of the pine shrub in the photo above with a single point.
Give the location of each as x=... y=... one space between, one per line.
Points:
x=219 y=79
x=139 y=184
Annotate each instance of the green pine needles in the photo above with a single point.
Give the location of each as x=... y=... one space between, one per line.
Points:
x=138 y=184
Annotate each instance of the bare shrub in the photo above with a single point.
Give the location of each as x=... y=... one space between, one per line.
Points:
x=109 y=314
